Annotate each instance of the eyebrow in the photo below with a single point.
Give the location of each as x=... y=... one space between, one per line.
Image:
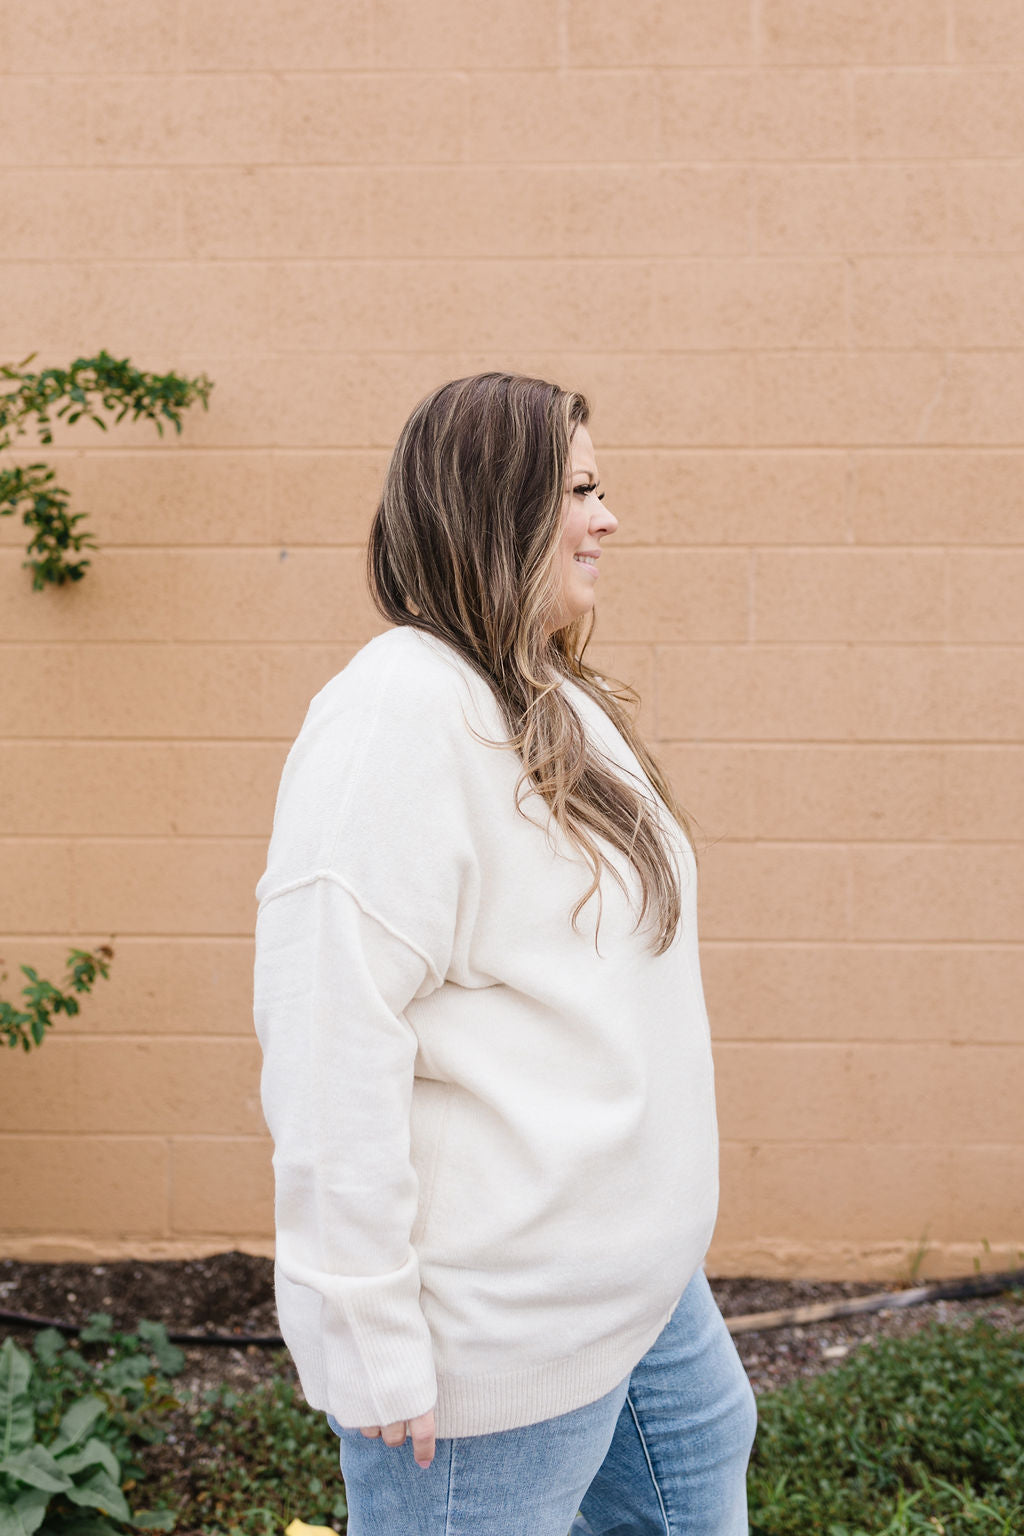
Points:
x=591 y=479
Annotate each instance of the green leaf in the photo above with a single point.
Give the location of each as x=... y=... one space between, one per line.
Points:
x=94 y=1453
x=25 y=1515
x=49 y=1345
x=76 y=1424
x=16 y=1417
x=102 y=1493
x=98 y=1329
x=155 y=1520
x=168 y=1356
x=36 y=1467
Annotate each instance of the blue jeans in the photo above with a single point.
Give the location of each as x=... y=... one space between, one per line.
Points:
x=663 y=1454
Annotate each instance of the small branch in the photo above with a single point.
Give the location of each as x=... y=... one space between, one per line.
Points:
x=27 y=1026
x=90 y=387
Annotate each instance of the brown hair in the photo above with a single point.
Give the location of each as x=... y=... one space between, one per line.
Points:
x=463 y=546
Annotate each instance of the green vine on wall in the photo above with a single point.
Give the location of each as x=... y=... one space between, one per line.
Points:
x=27 y=1026
x=91 y=385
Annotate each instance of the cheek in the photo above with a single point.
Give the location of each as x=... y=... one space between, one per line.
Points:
x=575 y=528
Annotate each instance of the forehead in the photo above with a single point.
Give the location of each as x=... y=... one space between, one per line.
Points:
x=582 y=451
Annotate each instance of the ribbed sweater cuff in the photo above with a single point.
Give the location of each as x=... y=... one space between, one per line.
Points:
x=364 y=1346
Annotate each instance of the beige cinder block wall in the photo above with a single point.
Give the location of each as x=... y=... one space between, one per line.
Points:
x=781 y=242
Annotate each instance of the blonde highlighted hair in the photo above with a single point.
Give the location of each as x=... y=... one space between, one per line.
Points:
x=464 y=545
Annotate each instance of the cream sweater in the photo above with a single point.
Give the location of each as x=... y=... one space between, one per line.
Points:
x=495 y=1150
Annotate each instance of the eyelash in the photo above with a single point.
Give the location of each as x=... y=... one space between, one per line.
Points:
x=585 y=490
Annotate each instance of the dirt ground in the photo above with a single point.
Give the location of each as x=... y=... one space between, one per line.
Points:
x=233 y=1293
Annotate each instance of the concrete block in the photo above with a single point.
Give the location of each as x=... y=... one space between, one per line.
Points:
x=824 y=399
x=963 y=891
x=83 y=787
x=222 y=1186
x=184 y=119
x=73 y=37
x=324 y=498
x=802 y=209
x=35 y=893
x=852 y=32
x=177 y=496
x=193 y=985
x=85 y=1185
x=34 y=675
x=106 y=214
x=168 y=1086
x=448 y=35
x=653 y=33
x=986 y=205
x=265 y=595
x=942 y=496
x=639 y=591
x=937 y=301
x=37 y=1089
x=860 y=595
x=219 y=36
x=679 y=497
x=41 y=120
x=766 y=693
x=776 y=891
x=938 y=114
x=972 y=693
x=749 y=304
x=984 y=595
x=126 y=596
x=222 y=789
x=530 y=116
x=152 y=887
x=752 y=115
x=881 y=991
x=992 y=33
x=364 y=119
x=299 y=211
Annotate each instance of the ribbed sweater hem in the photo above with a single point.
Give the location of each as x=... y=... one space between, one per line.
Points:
x=482 y=1405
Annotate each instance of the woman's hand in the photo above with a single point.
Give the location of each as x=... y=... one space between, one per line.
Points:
x=421 y=1429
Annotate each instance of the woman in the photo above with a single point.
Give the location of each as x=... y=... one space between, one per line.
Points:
x=487 y=1070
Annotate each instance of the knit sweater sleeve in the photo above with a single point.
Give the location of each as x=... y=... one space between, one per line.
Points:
x=371 y=879
x=331 y=984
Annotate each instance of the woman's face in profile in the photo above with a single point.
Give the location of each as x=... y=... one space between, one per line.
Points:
x=585 y=521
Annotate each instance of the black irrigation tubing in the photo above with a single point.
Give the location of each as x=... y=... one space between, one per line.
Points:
x=752 y=1322
x=232 y=1340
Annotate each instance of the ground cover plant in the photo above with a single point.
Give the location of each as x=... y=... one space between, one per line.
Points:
x=264 y=1459
x=238 y=1452
x=921 y=1436
x=918 y=1436
x=73 y=1418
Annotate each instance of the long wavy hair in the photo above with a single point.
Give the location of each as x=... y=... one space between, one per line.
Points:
x=464 y=545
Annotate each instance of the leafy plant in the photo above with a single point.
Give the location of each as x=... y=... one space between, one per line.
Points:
x=67 y=1428
x=89 y=386
x=27 y=1026
x=908 y=1438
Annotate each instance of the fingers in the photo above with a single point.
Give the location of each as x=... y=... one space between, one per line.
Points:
x=422 y=1431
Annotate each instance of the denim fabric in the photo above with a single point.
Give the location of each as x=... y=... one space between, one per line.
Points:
x=663 y=1454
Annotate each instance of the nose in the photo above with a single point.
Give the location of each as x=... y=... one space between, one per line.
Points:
x=604 y=519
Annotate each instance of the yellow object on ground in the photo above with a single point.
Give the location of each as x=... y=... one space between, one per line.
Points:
x=298 y=1529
